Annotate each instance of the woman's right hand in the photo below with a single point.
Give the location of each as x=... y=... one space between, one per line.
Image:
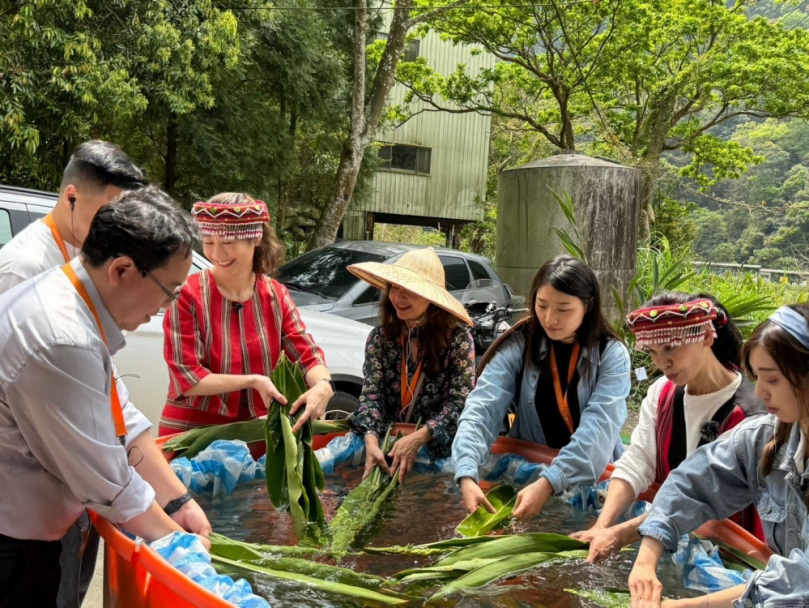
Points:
x=373 y=456
x=264 y=386
x=644 y=587
x=603 y=542
x=473 y=496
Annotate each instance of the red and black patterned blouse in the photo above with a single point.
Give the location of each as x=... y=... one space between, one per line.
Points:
x=206 y=333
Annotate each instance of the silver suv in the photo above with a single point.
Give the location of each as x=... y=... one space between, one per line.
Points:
x=319 y=280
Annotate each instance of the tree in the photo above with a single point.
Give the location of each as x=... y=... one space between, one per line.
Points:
x=631 y=78
x=372 y=81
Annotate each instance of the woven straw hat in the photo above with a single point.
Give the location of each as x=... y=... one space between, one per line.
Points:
x=419 y=271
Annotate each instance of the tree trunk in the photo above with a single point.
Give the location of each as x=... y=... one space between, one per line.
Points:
x=171 y=154
x=283 y=197
x=652 y=136
x=365 y=118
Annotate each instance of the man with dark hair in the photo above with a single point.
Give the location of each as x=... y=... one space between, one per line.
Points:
x=66 y=443
x=97 y=172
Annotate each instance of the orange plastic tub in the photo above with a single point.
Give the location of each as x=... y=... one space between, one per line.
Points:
x=137 y=577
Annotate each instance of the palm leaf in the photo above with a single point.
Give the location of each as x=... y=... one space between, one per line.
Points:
x=481 y=522
x=359 y=593
x=538 y=542
x=508 y=566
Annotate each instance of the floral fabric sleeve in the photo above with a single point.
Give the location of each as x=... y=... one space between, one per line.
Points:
x=372 y=413
x=459 y=382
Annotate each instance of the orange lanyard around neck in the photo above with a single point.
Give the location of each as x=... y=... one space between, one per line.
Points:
x=561 y=400
x=115 y=400
x=408 y=389
x=57 y=236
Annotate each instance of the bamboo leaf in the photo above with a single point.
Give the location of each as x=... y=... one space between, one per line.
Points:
x=235 y=549
x=539 y=542
x=508 y=566
x=362 y=505
x=460 y=568
x=481 y=522
x=323 y=585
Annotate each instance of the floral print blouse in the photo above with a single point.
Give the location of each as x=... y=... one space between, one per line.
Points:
x=440 y=400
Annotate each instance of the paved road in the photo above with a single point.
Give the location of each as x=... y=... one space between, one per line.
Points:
x=95 y=595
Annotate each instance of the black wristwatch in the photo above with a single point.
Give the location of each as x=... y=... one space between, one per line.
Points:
x=331 y=384
x=175 y=505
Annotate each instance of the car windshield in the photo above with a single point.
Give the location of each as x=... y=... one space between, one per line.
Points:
x=323 y=271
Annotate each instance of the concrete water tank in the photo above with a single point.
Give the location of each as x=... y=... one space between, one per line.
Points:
x=606 y=199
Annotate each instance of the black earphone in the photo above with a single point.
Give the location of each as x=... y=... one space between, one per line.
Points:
x=72 y=200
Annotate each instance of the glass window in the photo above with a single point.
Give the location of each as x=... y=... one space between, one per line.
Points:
x=369 y=296
x=478 y=271
x=457 y=276
x=5 y=227
x=323 y=271
x=414 y=159
x=412 y=51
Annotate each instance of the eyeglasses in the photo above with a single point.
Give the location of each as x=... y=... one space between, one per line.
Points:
x=170 y=295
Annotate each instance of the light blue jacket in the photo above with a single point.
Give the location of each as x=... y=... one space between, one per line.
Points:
x=722 y=478
x=602 y=392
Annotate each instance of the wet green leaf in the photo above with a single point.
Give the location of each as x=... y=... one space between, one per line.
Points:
x=481 y=522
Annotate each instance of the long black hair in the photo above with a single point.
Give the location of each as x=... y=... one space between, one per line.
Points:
x=727 y=347
x=575 y=278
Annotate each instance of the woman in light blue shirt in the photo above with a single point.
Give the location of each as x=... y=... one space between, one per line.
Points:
x=564 y=375
x=763 y=462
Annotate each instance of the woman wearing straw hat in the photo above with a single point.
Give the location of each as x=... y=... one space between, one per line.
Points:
x=229 y=325
x=566 y=375
x=419 y=364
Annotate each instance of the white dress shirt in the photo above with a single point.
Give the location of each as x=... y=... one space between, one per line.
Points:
x=29 y=254
x=58 y=449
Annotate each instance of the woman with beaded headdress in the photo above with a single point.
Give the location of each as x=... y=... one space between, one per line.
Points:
x=702 y=394
x=229 y=325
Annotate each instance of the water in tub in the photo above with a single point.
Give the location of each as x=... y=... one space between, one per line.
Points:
x=426 y=508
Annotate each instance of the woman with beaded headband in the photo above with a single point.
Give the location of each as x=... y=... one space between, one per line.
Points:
x=761 y=462
x=230 y=324
x=702 y=394
x=564 y=375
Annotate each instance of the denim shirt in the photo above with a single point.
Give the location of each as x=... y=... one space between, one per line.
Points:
x=602 y=391
x=722 y=478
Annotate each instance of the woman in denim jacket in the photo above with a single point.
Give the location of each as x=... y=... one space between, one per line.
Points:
x=762 y=461
x=565 y=375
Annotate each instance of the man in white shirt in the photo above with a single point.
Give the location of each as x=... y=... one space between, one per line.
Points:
x=96 y=173
x=61 y=440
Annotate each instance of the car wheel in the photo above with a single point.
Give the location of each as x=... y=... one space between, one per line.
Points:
x=341 y=405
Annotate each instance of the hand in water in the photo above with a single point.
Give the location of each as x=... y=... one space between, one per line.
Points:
x=373 y=456
x=473 y=496
x=532 y=498
x=603 y=542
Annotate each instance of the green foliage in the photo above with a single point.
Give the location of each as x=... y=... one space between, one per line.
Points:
x=362 y=505
x=293 y=473
x=481 y=522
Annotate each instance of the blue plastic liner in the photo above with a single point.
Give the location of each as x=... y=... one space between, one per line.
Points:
x=186 y=553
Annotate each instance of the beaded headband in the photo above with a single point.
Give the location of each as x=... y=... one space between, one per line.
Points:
x=242 y=221
x=673 y=324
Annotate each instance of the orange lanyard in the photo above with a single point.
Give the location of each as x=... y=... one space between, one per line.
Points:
x=115 y=400
x=57 y=236
x=561 y=400
x=408 y=389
